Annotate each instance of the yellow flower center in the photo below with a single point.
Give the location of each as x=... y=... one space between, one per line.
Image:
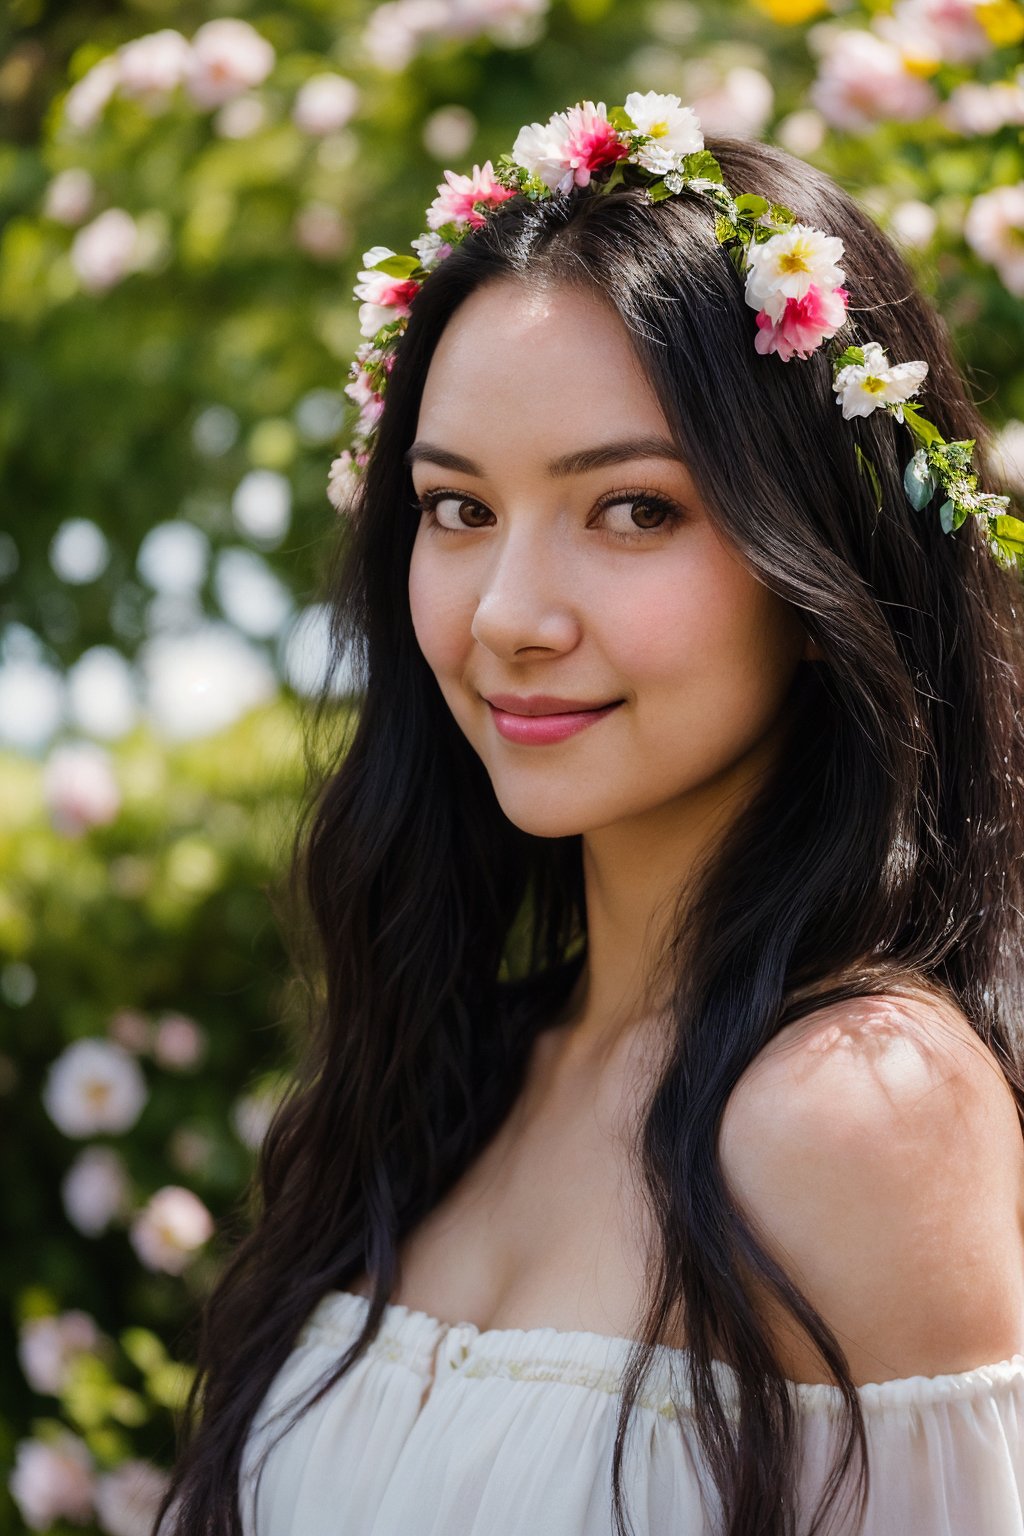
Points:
x=794 y=260
x=873 y=385
x=658 y=130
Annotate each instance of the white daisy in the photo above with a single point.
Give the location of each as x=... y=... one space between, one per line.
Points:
x=862 y=387
x=784 y=267
x=675 y=127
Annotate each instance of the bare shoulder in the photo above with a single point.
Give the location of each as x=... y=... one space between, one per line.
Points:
x=876 y=1148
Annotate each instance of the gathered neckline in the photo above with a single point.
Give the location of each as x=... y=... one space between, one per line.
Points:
x=413 y=1334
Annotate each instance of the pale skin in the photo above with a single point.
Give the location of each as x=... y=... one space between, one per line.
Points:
x=575 y=583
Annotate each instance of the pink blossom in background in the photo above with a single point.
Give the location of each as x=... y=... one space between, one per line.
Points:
x=95 y=1189
x=53 y=1480
x=179 y=1042
x=457 y=194
x=131 y=1028
x=128 y=1498
x=228 y=56
x=321 y=231
x=241 y=117
x=973 y=108
x=69 y=196
x=930 y=32
x=863 y=80
x=154 y=65
x=106 y=250
x=994 y=229
x=92 y=1087
x=48 y=1345
x=80 y=788
x=169 y=1228
x=805 y=323
x=325 y=103
x=87 y=98
x=740 y=104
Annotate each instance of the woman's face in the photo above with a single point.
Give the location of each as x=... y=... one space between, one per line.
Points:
x=571 y=556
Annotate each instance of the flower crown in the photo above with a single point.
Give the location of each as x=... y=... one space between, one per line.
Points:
x=791 y=273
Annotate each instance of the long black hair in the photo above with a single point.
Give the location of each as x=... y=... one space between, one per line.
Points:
x=885 y=850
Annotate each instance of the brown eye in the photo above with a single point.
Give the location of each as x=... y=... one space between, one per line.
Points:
x=643 y=513
x=431 y=502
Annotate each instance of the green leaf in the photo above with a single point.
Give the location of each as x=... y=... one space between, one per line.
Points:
x=1009 y=529
x=951 y=516
x=725 y=229
x=924 y=430
x=749 y=202
x=657 y=192
x=702 y=163
x=143 y=1348
x=781 y=214
x=866 y=467
x=620 y=118
x=919 y=481
x=397 y=266
x=851 y=357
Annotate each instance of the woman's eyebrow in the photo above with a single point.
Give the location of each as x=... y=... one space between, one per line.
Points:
x=576 y=463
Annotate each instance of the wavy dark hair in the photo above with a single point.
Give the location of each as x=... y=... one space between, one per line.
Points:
x=884 y=851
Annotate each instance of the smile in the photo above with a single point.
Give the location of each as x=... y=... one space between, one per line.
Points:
x=540 y=730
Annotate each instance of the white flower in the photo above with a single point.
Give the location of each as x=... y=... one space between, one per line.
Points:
x=68 y=197
x=542 y=149
x=84 y=103
x=676 y=129
x=155 y=64
x=105 y=251
x=973 y=108
x=740 y=104
x=53 y=1480
x=1008 y=453
x=342 y=481
x=228 y=56
x=200 y=681
x=931 y=32
x=325 y=103
x=994 y=228
x=169 y=1228
x=94 y=1086
x=784 y=267
x=48 y=1345
x=860 y=388
x=128 y=1498
x=864 y=80
x=240 y=117
x=430 y=248
x=95 y=1189
x=80 y=789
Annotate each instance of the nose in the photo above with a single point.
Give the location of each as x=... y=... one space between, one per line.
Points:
x=526 y=600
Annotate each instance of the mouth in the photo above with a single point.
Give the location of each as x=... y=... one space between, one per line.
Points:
x=544 y=727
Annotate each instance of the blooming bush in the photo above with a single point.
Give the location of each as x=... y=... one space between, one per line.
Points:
x=185 y=210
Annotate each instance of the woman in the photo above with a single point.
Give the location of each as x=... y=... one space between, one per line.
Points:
x=655 y=1161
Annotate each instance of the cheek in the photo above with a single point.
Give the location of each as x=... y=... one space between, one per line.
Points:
x=441 y=618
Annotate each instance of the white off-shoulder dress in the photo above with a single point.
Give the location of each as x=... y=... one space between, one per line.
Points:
x=515 y=1439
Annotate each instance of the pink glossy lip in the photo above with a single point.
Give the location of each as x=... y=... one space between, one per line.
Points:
x=538 y=719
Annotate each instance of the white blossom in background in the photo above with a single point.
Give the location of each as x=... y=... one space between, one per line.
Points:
x=321 y=231
x=241 y=118
x=448 y=132
x=228 y=56
x=931 y=32
x=173 y=556
x=79 y=550
x=87 y=98
x=80 y=788
x=48 y=1345
x=214 y=432
x=802 y=132
x=128 y=1498
x=914 y=222
x=262 y=506
x=53 y=1480
x=95 y=1190
x=202 y=681
x=105 y=251
x=178 y=1042
x=252 y=1113
x=325 y=103
x=32 y=704
x=973 y=108
x=250 y=594
x=153 y=66
x=69 y=196
x=305 y=655
x=1008 y=451
x=101 y=693
x=740 y=104
x=398 y=30
x=169 y=1228
x=993 y=229
x=863 y=80
x=93 y=1087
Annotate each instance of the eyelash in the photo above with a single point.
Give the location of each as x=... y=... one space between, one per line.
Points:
x=426 y=505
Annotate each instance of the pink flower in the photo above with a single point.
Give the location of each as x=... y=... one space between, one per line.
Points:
x=53 y=1480
x=806 y=322
x=128 y=1498
x=95 y=1189
x=228 y=57
x=179 y=1042
x=864 y=80
x=69 y=196
x=592 y=142
x=569 y=147
x=325 y=103
x=105 y=251
x=154 y=65
x=454 y=205
x=80 y=788
x=48 y=1345
x=172 y=1225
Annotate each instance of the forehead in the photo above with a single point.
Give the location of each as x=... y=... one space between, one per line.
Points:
x=539 y=365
